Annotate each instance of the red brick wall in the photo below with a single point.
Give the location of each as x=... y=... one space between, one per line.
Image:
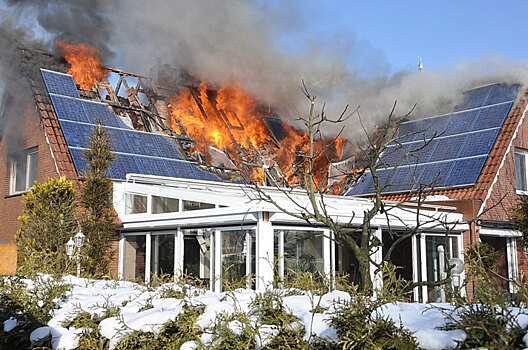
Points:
x=113 y=268
x=21 y=132
x=504 y=196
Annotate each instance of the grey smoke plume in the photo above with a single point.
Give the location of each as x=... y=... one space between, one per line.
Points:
x=36 y=24
x=236 y=41
x=77 y=21
x=242 y=42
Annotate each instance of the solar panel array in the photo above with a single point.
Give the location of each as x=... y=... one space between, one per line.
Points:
x=136 y=151
x=443 y=151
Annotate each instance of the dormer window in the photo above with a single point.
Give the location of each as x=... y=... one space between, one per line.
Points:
x=24 y=170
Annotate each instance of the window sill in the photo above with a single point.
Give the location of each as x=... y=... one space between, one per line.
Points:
x=522 y=193
x=16 y=194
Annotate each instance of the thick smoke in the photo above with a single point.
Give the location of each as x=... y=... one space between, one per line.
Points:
x=77 y=21
x=36 y=24
x=236 y=41
x=243 y=42
x=15 y=91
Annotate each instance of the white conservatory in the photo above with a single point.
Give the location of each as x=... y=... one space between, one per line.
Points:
x=217 y=231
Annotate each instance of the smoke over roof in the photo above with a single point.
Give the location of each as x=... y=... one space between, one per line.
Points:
x=240 y=42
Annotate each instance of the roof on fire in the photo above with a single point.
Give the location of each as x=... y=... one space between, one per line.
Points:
x=456 y=155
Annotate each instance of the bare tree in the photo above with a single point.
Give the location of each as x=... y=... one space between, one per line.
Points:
x=361 y=240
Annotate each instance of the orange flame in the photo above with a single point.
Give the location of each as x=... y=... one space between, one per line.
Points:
x=229 y=119
x=85 y=65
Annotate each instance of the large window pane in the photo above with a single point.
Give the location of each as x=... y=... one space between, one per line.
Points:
x=33 y=168
x=438 y=249
x=238 y=255
x=135 y=203
x=24 y=170
x=197 y=254
x=162 y=255
x=165 y=205
x=520 y=170
x=303 y=252
x=134 y=261
x=20 y=173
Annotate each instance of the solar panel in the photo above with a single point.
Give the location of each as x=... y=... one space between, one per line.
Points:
x=461 y=122
x=458 y=151
x=492 y=117
x=474 y=98
x=122 y=165
x=136 y=151
x=204 y=175
x=78 y=160
x=276 y=127
x=180 y=169
x=465 y=171
x=76 y=134
x=100 y=112
x=58 y=83
x=166 y=146
x=503 y=93
x=141 y=143
x=447 y=148
x=119 y=141
x=69 y=108
x=479 y=143
x=151 y=166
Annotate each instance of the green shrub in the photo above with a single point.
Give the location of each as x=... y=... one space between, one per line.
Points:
x=486 y=316
x=269 y=308
x=32 y=307
x=359 y=326
x=173 y=334
x=48 y=221
x=225 y=338
x=288 y=339
x=97 y=216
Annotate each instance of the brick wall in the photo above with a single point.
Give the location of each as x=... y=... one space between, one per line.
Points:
x=21 y=132
x=504 y=196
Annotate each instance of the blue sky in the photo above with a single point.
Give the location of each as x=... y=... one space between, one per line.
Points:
x=442 y=32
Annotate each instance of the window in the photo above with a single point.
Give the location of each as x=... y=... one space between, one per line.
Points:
x=24 y=169
x=165 y=205
x=520 y=169
x=191 y=205
x=298 y=251
x=135 y=203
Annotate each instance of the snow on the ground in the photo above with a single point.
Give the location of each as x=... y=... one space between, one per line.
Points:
x=146 y=308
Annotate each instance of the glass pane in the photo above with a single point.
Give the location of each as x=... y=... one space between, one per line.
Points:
x=162 y=255
x=191 y=205
x=236 y=247
x=303 y=252
x=33 y=168
x=134 y=261
x=520 y=171
x=135 y=204
x=197 y=254
x=436 y=250
x=165 y=205
x=20 y=172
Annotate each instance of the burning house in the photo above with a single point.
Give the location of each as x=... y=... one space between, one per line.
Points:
x=187 y=154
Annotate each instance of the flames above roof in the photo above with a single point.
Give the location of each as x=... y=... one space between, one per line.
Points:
x=222 y=128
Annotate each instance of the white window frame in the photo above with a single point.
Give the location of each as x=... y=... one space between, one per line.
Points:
x=420 y=262
x=523 y=153
x=13 y=170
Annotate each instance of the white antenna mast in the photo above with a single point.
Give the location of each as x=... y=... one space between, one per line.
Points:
x=420 y=64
